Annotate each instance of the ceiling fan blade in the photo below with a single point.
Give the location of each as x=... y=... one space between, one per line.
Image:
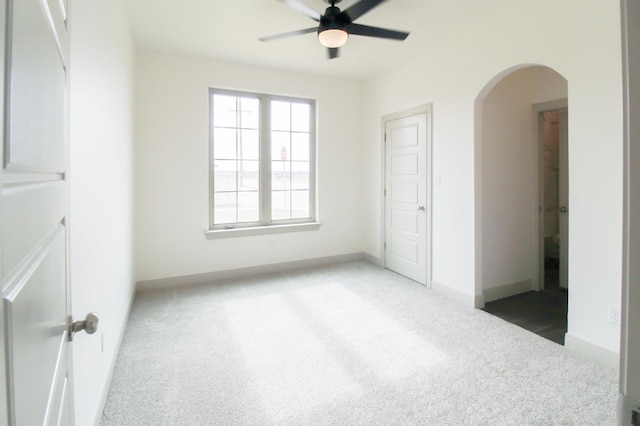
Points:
x=289 y=34
x=333 y=52
x=368 y=31
x=302 y=8
x=360 y=8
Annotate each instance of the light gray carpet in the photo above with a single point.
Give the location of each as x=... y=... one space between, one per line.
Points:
x=338 y=345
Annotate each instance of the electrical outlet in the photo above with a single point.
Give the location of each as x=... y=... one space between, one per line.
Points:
x=614 y=315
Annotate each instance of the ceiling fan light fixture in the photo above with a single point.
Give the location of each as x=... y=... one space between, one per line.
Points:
x=333 y=37
x=335 y=27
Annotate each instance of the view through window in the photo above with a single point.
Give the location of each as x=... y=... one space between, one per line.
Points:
x=262 y=160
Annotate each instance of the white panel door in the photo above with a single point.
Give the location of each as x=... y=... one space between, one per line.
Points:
x=34 y=219
x=406 y=196
x=629 y=398
x=563 y=195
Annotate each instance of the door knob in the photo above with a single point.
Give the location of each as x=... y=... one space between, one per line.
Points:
x=420 y=208
x=89 y=324
x=563 y=209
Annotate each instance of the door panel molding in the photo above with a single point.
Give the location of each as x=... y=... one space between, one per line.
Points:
x=35 y=315
x=36 y=136
x=39 y=208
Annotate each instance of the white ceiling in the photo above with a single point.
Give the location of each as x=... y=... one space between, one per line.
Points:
x=230 y=29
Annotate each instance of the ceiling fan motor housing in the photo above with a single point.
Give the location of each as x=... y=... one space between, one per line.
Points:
x=333 y=19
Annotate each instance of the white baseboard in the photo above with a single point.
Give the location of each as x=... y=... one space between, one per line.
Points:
x=374 y=260
x=249 y=271
x=118 y=343
x=452 y=293
x=506 y=290
x=582 y=347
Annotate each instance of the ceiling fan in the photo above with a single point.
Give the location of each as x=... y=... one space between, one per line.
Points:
x=336 y=26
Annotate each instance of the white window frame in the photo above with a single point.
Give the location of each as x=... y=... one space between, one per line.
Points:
x=265 y=225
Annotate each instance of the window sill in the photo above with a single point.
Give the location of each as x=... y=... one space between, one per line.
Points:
x=261 y=230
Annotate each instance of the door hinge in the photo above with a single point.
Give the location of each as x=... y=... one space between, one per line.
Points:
x=385 y=137
x=385 y=245
x=385 y=192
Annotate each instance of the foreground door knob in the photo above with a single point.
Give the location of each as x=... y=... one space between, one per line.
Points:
x=89 y=324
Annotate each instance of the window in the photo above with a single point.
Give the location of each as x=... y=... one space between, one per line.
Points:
x=262 y=164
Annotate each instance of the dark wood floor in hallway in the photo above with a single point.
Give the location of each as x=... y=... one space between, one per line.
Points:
x=541 y=312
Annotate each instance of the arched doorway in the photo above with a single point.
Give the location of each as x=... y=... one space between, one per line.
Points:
x=518 y=208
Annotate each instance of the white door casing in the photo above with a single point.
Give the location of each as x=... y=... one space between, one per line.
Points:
x=4 y=415
x=629 y=397
x=407 y=200
x=34 y=200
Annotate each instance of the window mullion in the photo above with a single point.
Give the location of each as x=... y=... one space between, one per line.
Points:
x=212 y=205
x=290 y=162
x=238 y=143
x=265 y=160
x=313 y=212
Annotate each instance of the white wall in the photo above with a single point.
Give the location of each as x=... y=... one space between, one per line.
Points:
x=475 y=45
x=101 y=178
x=172 y=180
x=510 y=176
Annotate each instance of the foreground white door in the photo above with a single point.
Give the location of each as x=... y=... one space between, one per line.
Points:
x=407 y=197
x=629 y=397
x=34 y=218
